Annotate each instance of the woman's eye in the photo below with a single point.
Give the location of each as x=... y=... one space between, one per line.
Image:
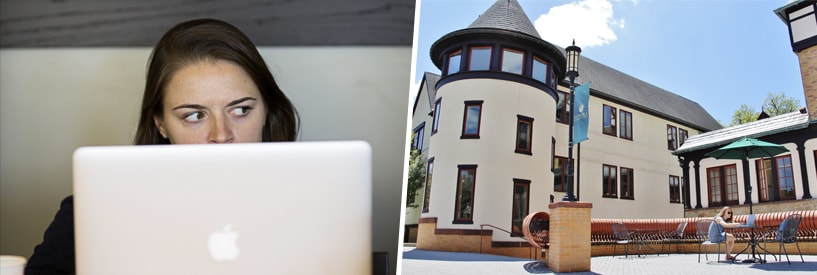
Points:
x=241 y=111
x=194 y=117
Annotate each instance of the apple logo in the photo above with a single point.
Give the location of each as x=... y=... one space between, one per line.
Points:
x=222 y=244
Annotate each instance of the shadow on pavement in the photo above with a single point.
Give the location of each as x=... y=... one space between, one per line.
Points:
x=417 y=254
x=784 y=266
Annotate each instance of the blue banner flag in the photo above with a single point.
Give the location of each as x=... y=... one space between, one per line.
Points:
x=580 y=116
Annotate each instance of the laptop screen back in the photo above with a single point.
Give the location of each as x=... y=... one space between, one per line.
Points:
x=263 y=208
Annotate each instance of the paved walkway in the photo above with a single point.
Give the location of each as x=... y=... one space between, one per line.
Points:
x=418 y=262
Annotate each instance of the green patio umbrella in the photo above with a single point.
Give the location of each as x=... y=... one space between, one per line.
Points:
x=748 y=148
x=744 y=149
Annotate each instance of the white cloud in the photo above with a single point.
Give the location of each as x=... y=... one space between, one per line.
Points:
x=589 y=22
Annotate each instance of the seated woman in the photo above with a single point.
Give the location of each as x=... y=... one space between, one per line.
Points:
x=716 y=230
x=206 y=83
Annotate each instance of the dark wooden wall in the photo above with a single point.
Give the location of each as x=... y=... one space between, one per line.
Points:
x=125 y=23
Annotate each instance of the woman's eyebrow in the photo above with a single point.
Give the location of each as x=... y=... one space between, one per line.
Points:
x=240 y=100
x=232 y=103
x=189 y=106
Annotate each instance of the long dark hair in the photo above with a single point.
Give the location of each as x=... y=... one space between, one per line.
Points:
x=209 y=40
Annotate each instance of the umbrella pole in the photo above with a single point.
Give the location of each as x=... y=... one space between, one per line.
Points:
x=748 y=185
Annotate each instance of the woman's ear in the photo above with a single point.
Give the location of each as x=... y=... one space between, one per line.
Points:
x=160 y=124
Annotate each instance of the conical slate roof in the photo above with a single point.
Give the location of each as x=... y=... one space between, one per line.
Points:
x=506 y=15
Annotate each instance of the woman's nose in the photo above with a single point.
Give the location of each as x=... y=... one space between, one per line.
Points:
x=221 y=132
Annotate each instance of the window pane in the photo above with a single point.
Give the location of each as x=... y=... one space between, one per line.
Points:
x=512 y=61
x=627 y=183
x=480 y=59
x=427 y=191
x=559 y=174
x=764 y=178
x=520 y=207
x=609 y=123
x=561 y=108
x=417 y=143
x=626 y=125
x=674 y=189
x=714 y=177
x=437 y=106
x=609 y=176
x=454 y=62
x=524 y=129
x=465 y=191
x=731 y=180
x=472 y=115
x=540 y=70
x=672 y=137
x=785 y=178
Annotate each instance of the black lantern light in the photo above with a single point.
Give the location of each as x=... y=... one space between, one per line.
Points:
x=573 y=53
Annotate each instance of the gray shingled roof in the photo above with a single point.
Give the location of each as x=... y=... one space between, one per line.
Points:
x=615 y=85
x=765 y=127
x=506 y=15
x=430 y=83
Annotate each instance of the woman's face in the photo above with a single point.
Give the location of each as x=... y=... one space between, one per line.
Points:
x=727 y=214
x=212 y=102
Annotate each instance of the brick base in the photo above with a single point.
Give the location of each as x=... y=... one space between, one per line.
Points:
x=429 y=237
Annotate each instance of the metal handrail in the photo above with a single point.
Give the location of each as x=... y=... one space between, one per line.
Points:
x=482 y=227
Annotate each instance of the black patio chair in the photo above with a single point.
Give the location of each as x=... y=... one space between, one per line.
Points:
x=785 y=234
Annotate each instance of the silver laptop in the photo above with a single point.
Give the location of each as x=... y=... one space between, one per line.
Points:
x=262 y=208
x=750 y=221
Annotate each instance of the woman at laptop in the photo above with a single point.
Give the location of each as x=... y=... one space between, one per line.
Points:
x=716 y=230
x=206 y=83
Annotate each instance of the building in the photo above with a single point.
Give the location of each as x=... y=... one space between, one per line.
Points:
x=493 y=128
x=783 y=183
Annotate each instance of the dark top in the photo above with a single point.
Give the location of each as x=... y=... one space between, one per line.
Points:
x=55 y=255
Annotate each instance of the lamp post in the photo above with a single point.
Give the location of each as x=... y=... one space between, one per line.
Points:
x=573 y=52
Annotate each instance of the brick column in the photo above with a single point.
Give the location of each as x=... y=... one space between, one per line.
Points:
x=569 y=236
x=808 y=70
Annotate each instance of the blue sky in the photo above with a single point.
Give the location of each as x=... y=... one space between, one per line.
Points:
x=719 y=53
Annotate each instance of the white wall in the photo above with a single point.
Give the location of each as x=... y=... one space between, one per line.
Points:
x=55 y=100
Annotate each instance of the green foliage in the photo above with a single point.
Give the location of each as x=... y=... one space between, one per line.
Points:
x=743 y=115
x=778 y=104
x=416 y=177
x=773 y=105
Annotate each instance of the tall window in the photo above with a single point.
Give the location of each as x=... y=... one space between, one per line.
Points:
x=723 y=185
x=437 y=106
x=417 y=143
x=609 y=176
x=559 y=174
x=454 y=60
x=562 y=108
x=427 y=190
x=464 y=202
x=626 y=125
x=674 y=189
x=512 y=61
x=480 y=59
x=672 y=137
x=775 y=178
x=524 y=134
x=521 y=202
x=785 y=177
x=471 y=119
x=682 y=136
x=609 y=120
x=540 y=70
x=627 y=183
